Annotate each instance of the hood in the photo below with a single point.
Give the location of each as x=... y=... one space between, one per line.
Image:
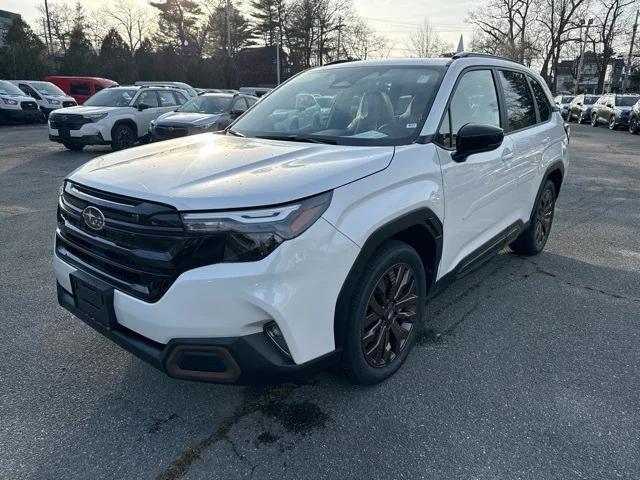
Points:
x=62 y=98
x=211 y=171
x=83 y=110
x=624 y=109
x=18 y=98
x=171 y=118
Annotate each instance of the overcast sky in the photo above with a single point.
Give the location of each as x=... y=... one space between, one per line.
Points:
x=393 y=18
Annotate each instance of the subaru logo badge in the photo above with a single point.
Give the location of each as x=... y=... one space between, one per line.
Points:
x=93 y=218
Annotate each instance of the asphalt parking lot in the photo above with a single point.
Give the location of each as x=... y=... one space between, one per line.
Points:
x=527 y=369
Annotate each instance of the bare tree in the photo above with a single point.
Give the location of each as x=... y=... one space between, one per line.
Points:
x=364 y=43
x=503 y=27
x=425 y=42
x=132 y=22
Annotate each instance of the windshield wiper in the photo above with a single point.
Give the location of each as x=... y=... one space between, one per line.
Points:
x=234 y=133
x=299 y=138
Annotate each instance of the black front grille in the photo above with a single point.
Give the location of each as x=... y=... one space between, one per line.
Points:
x=165 y=131
x=68 y=103
x=29 y=105
x=142 y=247
x=67 y=121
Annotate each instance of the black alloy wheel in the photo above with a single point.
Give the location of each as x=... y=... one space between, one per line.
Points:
x=390 y=315
x=544 y=217
x=633 y=125
x=123 y=137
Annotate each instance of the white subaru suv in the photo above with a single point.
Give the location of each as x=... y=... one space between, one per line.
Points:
x=116 y=116
x=265 y=252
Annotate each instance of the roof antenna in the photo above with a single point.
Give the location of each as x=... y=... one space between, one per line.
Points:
x=460 y=48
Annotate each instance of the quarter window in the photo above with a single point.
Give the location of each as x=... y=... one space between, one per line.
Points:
x=521 y=112
x=474 y=101
x=544 y=109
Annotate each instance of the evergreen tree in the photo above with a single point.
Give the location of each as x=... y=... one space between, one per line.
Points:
x=178 y=25
x=115 y=58
x=23 y=54
x=265 y=13
x=80 y=58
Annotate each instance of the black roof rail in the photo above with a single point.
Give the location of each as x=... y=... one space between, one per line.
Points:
x=483 y=55
x=345 y=60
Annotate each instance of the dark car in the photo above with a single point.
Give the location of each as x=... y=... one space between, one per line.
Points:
x=562 y=102
x=205 y=113
x=634 y=118
x=613 y=109
x=580 y=107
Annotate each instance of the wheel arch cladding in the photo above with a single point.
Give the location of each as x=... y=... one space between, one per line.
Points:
x=421 y=229
x=128 y=122
x=555 y=173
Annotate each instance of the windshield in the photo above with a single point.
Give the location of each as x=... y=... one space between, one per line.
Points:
x=566 y=99
x=206 y=104
x=112 y=97
x=626 y=101
x=7 y=88
x=590 y=99
x=46 y=88
x=352 y=105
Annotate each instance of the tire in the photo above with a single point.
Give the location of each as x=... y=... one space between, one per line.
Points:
x=76 y=147
x=533 y=240
x=634 y=128
x=581 y=118
x=594 y=120
x=381 y=333
x=612 y=123
x=122 y=137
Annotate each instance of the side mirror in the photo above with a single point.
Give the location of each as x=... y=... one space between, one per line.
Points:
x=235 y=113
x=476 y=138
x=143 y=106
x=609 y=105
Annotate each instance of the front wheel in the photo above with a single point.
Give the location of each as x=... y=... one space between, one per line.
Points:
x=594 y=120
x=581 y=117
x=633 y=126
x=387 y=308
x=122 y=137
x=612 y=123
x=534 y=238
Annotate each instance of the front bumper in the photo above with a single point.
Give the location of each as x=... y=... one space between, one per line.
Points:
x=246 y=360
x=18 y=115
x=84 y=140
x=296 y=286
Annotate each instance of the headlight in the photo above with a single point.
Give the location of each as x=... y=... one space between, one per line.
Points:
x=94 y=117
x=53 y=102
x=9 y=101
x=205 y=126
x=254 y=234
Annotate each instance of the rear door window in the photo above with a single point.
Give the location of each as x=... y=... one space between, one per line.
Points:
x=148 y=98
x=521 y=112
x=166 y=98
x=80 y=88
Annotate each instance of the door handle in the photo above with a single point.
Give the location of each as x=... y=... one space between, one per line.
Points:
x=507 y=154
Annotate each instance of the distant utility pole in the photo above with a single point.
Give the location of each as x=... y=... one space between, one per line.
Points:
x=228 y=15
x=46 y=12
x=339 y=36
x=627 y=71
x=582 y=49
x=277 y=61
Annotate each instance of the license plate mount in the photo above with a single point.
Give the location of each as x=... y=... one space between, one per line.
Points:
x=93 y=299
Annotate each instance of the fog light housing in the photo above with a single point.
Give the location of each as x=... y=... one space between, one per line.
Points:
x=274 y=334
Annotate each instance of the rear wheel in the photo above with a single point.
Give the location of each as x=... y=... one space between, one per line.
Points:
x=633 y=125
x=76 y=147
x=122 y=137
x=534 y=238
x=387 y=308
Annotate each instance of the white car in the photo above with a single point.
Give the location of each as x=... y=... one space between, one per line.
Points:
x=116 y=116
x=15 y=106
x=259 y=255
x=48 y=96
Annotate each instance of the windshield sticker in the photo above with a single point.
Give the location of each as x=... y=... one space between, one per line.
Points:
x=423 y=79
x=412 y=125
